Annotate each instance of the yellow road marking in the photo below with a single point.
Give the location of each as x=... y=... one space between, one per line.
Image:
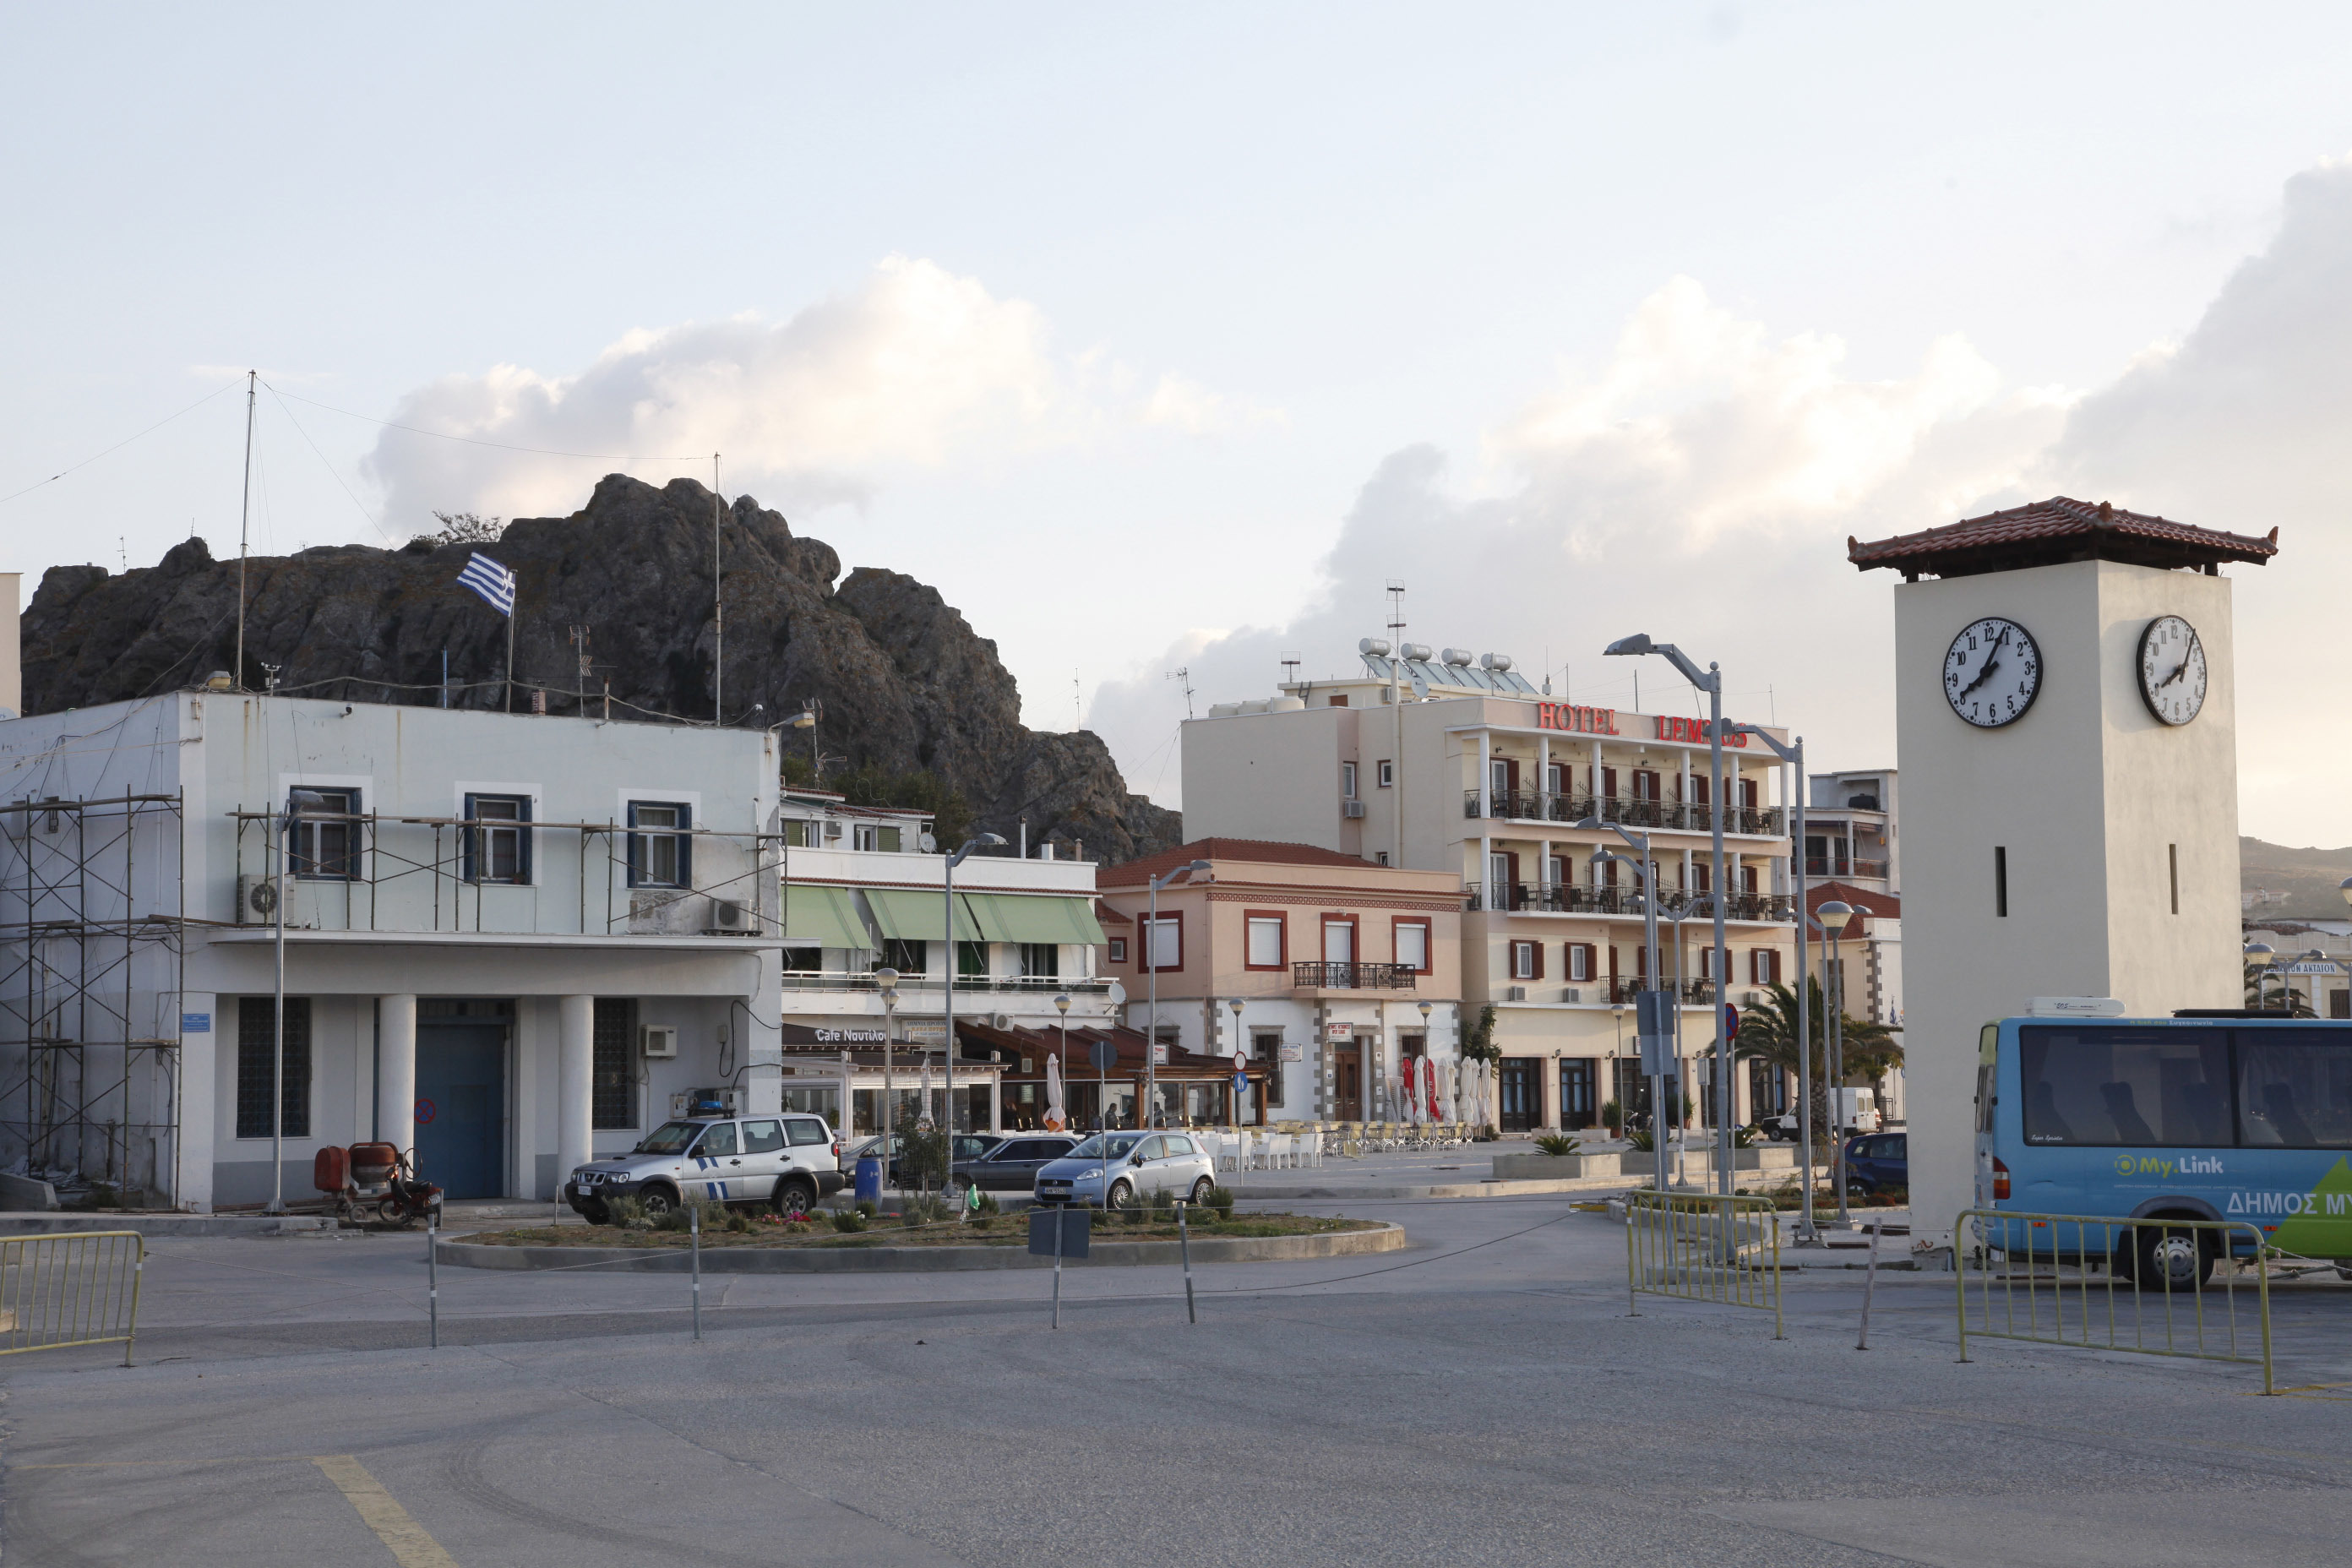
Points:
x=407 y=1540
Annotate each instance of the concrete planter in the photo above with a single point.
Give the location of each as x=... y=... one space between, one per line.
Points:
x=1556 y=1167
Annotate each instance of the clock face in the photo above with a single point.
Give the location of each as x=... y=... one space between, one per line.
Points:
x=2172 y=669
x=1992 y=672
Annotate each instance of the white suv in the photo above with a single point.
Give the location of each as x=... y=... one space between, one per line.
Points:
x=785 y=1163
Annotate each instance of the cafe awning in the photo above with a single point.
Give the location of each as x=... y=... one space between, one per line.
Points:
x=914 y=914
x=822 y=917
x=1032 y=917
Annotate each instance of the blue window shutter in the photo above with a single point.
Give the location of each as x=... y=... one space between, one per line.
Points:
x=635 y=853
x=470 y=867
x=524 y=838
x=685 y=845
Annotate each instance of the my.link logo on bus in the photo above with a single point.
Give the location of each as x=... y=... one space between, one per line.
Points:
x=2155 y=1166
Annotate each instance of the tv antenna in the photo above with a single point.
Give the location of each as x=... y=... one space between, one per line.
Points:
x=1290 y=663
x=1396 y=612
x=1184 y=674
x=580 y=644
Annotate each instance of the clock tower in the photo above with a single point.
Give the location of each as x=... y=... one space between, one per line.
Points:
x=2067 y=725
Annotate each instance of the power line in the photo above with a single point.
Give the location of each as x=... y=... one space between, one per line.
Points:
x=323 y=463
x=501 y=446
x=86 y=462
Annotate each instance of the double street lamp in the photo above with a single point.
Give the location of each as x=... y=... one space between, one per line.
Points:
x=946 y=1111
x=1794 y=756
x=1833 y=918
x=1150 y=1105
x=1646 y=1029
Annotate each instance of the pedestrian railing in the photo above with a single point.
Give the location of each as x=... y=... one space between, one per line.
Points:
x=2152 y=1287
x=1703 y=1246
x=72 y=1288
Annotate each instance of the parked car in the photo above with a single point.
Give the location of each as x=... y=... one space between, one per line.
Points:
x=1011 y=1165
x=1879 y=1163
x=968 y=1146
x=785 y=1163
x=1121 y=1169
x=1855 y=1110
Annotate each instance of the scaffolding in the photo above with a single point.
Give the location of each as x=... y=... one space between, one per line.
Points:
x=93 y=916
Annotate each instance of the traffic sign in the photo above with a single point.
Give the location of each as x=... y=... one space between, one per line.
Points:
x=1104 y=1055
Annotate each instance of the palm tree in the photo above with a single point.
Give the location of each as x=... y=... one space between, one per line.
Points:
x=2259 y=994
x=1768 y=1033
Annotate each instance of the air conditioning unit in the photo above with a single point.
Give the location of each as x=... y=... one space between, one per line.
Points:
x=1351 y=808
x=1000 y=1020
x=728 y=918
x=1515 y=993
x=1572 y=994
x=257 y=900
x=661 y=1041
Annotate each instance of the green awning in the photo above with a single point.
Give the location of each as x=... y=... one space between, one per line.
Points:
x=1036 y=917
x=913 y=914
x=822 y=917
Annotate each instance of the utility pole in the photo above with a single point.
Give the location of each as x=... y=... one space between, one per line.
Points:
x=718 y=605
x=580 y=644
x=243 y=516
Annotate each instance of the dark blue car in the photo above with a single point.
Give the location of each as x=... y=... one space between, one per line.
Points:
x=1879 y=1163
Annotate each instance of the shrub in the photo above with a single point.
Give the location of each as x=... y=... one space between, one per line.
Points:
x=1613 y=1115
x=1222 y=1200
x=987 y=1204
x=851 y=1221
x=626 y=1213
x=1642 y=1138
x=1555 y=1144
x=867 y=1208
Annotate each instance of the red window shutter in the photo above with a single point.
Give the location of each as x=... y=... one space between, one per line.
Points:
x=1700 y=785
x=1609 y=782
x=1747 y=879
x=1612 y=963
x=1747 y=794
x=1511 y=774
x=1539 y=958
x=1511 y=860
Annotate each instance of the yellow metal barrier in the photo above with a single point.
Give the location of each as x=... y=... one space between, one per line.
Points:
x=1703 y=1246
x=2182 y=1292
x=70 y=1288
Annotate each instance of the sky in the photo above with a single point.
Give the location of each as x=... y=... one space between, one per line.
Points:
x=1164 y=340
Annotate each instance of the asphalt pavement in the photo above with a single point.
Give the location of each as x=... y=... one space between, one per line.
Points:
x=1483 y=1398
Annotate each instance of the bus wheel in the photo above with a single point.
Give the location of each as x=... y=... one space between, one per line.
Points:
x=2166 y=1260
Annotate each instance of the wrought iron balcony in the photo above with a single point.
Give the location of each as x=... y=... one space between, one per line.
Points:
x=1531 y=897
x=1354 y=976
x=1633 y=811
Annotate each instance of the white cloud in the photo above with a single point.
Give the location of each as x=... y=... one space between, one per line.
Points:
x=1183 y=404
x=1699 y=485
x=917 y=369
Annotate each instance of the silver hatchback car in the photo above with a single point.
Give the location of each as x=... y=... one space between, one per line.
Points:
x=1122 y=1170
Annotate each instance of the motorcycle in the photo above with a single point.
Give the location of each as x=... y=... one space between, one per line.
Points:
x=377 y=1172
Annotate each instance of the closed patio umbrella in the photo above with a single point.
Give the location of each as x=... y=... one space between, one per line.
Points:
x=1055 y=1117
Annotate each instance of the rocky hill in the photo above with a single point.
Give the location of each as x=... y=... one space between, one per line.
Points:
x=2279 y=882
x=906 y=684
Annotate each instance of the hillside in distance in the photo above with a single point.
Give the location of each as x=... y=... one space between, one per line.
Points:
x=915 y=702
x=2277 y=882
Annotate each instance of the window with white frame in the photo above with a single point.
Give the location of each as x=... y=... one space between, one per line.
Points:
x=1580 y=960
x=1764 y=965
x=497 y=838
x=1164 y=941
x=660 y=853
x=322 y=842
x=1348 y=780
x=1338 y=942
x=1264 y=941
x=1413 y=945
x=1526 y=961
x=1118 y=950
x=1387 y=774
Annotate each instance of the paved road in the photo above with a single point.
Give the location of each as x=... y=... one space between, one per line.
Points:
x=1482 y=1398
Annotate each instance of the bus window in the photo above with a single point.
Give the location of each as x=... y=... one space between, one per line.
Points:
x=2124 y=1087
x=2294 y=1093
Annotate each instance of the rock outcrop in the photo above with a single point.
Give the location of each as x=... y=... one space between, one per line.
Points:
x=904 y=681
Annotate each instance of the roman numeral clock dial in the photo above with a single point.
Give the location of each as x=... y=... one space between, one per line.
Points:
x=1992 y=673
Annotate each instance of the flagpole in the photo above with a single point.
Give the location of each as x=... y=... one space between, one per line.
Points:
x=511 y=660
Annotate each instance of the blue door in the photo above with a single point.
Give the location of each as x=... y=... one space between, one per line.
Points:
x=461 y=1101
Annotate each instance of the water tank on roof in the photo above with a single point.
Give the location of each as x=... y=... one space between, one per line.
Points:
x=1461 y=656
x=1254 y=705
x=1497 y=662
x=1418 y=652
x=1377 y=647
x=1224 y=709
x=1285 y=705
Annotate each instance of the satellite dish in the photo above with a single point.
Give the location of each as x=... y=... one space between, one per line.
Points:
x=1117 y=994
x=931 y=845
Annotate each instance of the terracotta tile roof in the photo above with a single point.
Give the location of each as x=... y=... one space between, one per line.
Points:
x=2059 y=529
x=1265 y=852
x=1865 y=901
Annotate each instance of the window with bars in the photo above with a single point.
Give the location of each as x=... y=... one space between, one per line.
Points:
x=612 y=1072
x=257 y=1067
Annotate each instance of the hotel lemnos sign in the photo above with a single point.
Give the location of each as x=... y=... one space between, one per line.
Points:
x=1583 y=721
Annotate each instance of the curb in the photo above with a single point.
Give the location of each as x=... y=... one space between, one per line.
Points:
x=165 y=1223
x=918 y=1259
x=1486 y=1189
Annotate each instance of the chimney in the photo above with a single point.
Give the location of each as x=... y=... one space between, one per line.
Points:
x=12 y=667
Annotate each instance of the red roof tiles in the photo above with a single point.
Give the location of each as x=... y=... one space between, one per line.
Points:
x=2059 y=529
x=1264 y=852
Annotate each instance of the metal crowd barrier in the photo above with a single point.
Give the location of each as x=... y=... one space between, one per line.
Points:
x=71 y=1287
x=1703 y=1246
x=2055 y=1283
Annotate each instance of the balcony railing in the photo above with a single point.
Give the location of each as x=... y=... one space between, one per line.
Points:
x=1559 y=899
x=1626 y=989
x=1840 y=866
x=1538 y=805
x=1355 y=976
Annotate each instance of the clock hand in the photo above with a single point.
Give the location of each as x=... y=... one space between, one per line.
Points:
x=1991 y=663
x=2177 y=672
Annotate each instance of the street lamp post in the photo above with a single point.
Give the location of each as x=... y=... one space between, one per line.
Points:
x=2259 y=958
x=947 y=1054
x=1709 y=680
x=300 y=804
x=1061 y=1005
x=1236 y=1005
x=1794 y=755
x=1833 y=917
x=1150 y=1105
x=886 y=981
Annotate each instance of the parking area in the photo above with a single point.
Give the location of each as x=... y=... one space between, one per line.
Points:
x=1481 y=1396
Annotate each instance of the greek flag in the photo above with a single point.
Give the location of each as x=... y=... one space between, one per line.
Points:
x=493 y=581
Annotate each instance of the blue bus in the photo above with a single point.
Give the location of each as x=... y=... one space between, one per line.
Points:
x=2205 y=1115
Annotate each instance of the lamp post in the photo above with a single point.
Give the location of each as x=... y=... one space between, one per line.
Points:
x=300 y=804
x=1151 y=1005
x=1640 y=843
x=1061 y=1005
x=1794 y=755
x=1833 y=917
x=886 y=981
x=947 y=1055
x=1710 y=681
x=2259 y=958
x=1236 y=1005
